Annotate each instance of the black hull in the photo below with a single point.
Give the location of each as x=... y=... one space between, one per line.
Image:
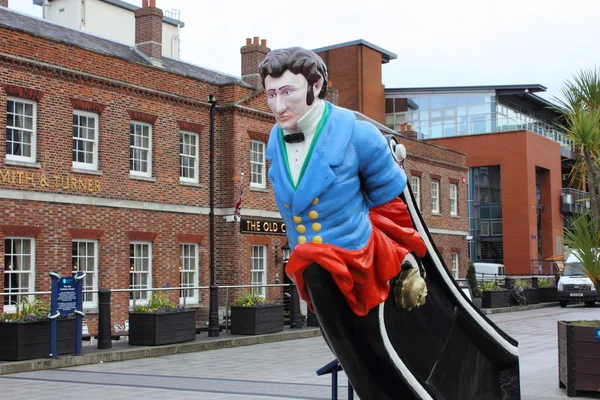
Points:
x=443 y=350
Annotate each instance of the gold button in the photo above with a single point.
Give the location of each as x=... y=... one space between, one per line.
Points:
x=286 y=205
x=297 y=219
x=301 y=229
x=301 y=239
x=317 y=240
x=316 y=227
x=315 y=201
x=313 y=215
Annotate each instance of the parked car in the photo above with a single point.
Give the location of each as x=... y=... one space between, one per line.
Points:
x=573 y=285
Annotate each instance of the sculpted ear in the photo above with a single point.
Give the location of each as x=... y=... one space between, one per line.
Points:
x=318 y=86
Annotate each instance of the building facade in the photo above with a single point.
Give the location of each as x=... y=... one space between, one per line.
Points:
x=519 y=164
x=91 y=16
x=104 y=169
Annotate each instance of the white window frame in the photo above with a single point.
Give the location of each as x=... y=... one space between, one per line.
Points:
x=453 y=191
x=189 y=265
x=93 y=165
x=33 y=131
x=484 y=227
x=257 y=167
x=435 y=196
x=193 y=153
x=258 y=268
x=134 y=268
x=415 y=184
x=90 y=281
x=454 y=260
x=31 y=287
x=133 y=148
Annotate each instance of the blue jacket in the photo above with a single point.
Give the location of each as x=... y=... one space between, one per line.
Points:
x=350 y=170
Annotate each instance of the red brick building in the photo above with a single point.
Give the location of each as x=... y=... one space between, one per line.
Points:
x=104 y=167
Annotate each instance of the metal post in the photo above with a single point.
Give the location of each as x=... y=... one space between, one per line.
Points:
x=295 y=315
x=104 y=334
x=79 y=314
x=53 y=312
x=226 y=309
x=213 y=311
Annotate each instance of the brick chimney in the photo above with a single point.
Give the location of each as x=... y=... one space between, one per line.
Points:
x=148 y=31
x=252 y=54
x=4 y=3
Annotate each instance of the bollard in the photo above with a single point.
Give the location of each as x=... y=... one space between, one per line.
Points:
x=508 y=283
x=534 y=282
x=295 y=315
x=104 y=325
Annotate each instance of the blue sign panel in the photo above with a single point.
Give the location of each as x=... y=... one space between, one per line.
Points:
x=67 y=296
x=597 y=334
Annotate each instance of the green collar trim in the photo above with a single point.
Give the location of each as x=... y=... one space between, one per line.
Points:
x=320 y=126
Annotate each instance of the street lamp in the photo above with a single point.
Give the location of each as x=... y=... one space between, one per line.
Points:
x=213 y=310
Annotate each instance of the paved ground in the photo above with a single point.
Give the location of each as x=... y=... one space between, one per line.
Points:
x=280 y=370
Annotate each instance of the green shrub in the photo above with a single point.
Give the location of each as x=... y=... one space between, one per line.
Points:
x=490 y=286
x=545 y=282
x=521 y=283
x=472 y=279
x=253 y=300
x=28 y=311
x=158 y=303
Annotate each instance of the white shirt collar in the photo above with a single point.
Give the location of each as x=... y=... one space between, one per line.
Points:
x=308 y=123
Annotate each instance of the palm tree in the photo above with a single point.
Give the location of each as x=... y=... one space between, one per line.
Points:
x=581 y=109
x=584 y=238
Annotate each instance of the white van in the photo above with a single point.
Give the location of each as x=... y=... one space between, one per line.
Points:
x=489 y=271
x=573 y=285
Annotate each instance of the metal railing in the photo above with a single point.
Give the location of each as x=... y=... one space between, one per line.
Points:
x=183 y=299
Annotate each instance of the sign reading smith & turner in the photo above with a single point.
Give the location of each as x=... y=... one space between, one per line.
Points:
x=263 y=227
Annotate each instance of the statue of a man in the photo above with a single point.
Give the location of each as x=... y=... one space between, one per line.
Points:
x=340 y=193
x=336 y=185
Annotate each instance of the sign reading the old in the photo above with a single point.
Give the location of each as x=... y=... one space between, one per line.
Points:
x=39 y=181
x=262 y=227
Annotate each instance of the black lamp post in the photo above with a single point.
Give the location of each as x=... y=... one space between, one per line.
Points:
x=213 y=310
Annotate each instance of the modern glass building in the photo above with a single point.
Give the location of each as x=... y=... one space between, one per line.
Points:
x=517 y=183
x=455 y=111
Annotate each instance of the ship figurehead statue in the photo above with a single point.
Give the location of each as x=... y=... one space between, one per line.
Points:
x=362 y=256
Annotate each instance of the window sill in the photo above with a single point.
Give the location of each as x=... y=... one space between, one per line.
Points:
x=142 y=178
x=259 y=189
x=436 y=214
x=455 y=216
x=23 y=163
x=86 y=171
x=193 y=184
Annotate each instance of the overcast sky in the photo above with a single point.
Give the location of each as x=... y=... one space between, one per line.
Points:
x=438 y=42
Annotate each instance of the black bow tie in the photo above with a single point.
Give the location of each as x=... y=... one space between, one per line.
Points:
x=294 y=137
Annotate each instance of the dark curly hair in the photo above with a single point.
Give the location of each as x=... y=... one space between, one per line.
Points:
x=298 y=61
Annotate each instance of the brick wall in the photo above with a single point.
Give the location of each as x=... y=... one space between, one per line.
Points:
x=519 y=154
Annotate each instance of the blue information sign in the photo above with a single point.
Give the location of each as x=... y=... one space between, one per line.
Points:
x=597 y=334
x=67 y=296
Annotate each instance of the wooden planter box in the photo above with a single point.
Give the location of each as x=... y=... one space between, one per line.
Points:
x=532 y=296
x=29 y=340
x=548 y=295
x=496 y=298
x=157 y=329
x=578 y=357
x=256 y=320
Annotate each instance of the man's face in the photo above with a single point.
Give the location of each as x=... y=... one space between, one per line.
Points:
x=286 y=96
